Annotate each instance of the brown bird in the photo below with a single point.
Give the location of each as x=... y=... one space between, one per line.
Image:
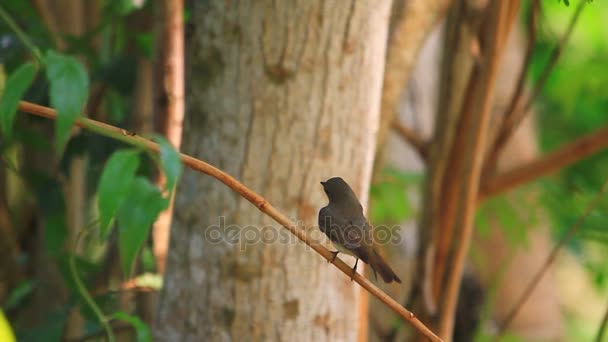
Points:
x=343 y=222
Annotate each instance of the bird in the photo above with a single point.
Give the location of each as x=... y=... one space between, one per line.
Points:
x=343 y=222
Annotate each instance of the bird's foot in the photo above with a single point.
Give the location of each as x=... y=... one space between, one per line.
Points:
x=352 y=277
x=333 y=258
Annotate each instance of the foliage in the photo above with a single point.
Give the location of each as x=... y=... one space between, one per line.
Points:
x=93 y=69
x=389 y=197
x=573 y=104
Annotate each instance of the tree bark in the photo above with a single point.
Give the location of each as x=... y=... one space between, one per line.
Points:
x=281 y=95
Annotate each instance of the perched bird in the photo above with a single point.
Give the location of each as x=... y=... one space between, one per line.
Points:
x=343 y=222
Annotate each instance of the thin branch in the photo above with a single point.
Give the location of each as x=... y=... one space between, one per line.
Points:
x=511 y=125
x=517 y=97
x=413 y=138
x=556 y=160
x=551 y=258
x=257 y=200
x=602 y=329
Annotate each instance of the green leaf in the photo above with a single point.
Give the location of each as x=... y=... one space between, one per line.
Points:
x=114 y=184
x=16 y=85
x=69 y=88
x=136 y=214
x=170 y=161
x=389 y=203
x=141 y=329
x=19 y=294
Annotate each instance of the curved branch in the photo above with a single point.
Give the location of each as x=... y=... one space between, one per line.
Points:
x=257 y=200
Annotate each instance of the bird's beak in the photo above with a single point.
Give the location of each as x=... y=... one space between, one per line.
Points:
x=323 y=183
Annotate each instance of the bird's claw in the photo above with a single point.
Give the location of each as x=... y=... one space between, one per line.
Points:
x=333 y=258
x=352 y=277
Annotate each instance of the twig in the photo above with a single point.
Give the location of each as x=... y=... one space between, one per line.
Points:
x=551 y=258
x=412 y=137
x=520 y=113
x=556 y=160
x=602 y=329
x=517 y=96
x=257 y=200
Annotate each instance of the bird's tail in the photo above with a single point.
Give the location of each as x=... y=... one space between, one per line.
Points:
x=379 y=265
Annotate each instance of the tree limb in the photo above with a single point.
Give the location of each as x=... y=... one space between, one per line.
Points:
x=556 y=160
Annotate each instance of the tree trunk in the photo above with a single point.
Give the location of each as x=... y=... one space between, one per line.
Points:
x=281 y=95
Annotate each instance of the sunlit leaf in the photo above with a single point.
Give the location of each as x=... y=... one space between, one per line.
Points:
x=6 y=332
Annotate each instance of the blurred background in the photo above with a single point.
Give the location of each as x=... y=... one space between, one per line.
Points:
x=60 y=284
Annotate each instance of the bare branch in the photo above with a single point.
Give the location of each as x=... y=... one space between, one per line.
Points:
x=517 y=96
x=511 y=123
x=174 y=115
x=255 y=199
x=556 y=160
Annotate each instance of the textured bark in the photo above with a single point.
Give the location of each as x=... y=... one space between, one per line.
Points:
x=281 y=95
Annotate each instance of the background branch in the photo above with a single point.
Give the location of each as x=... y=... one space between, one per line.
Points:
x=517 y=97
x=602 y=329
x=556 y=160
x=257 y=200
x=412 y=138
x=511 y=123
x=174 y=115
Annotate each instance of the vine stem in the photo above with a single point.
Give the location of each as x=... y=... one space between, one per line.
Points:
x=87 y=297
